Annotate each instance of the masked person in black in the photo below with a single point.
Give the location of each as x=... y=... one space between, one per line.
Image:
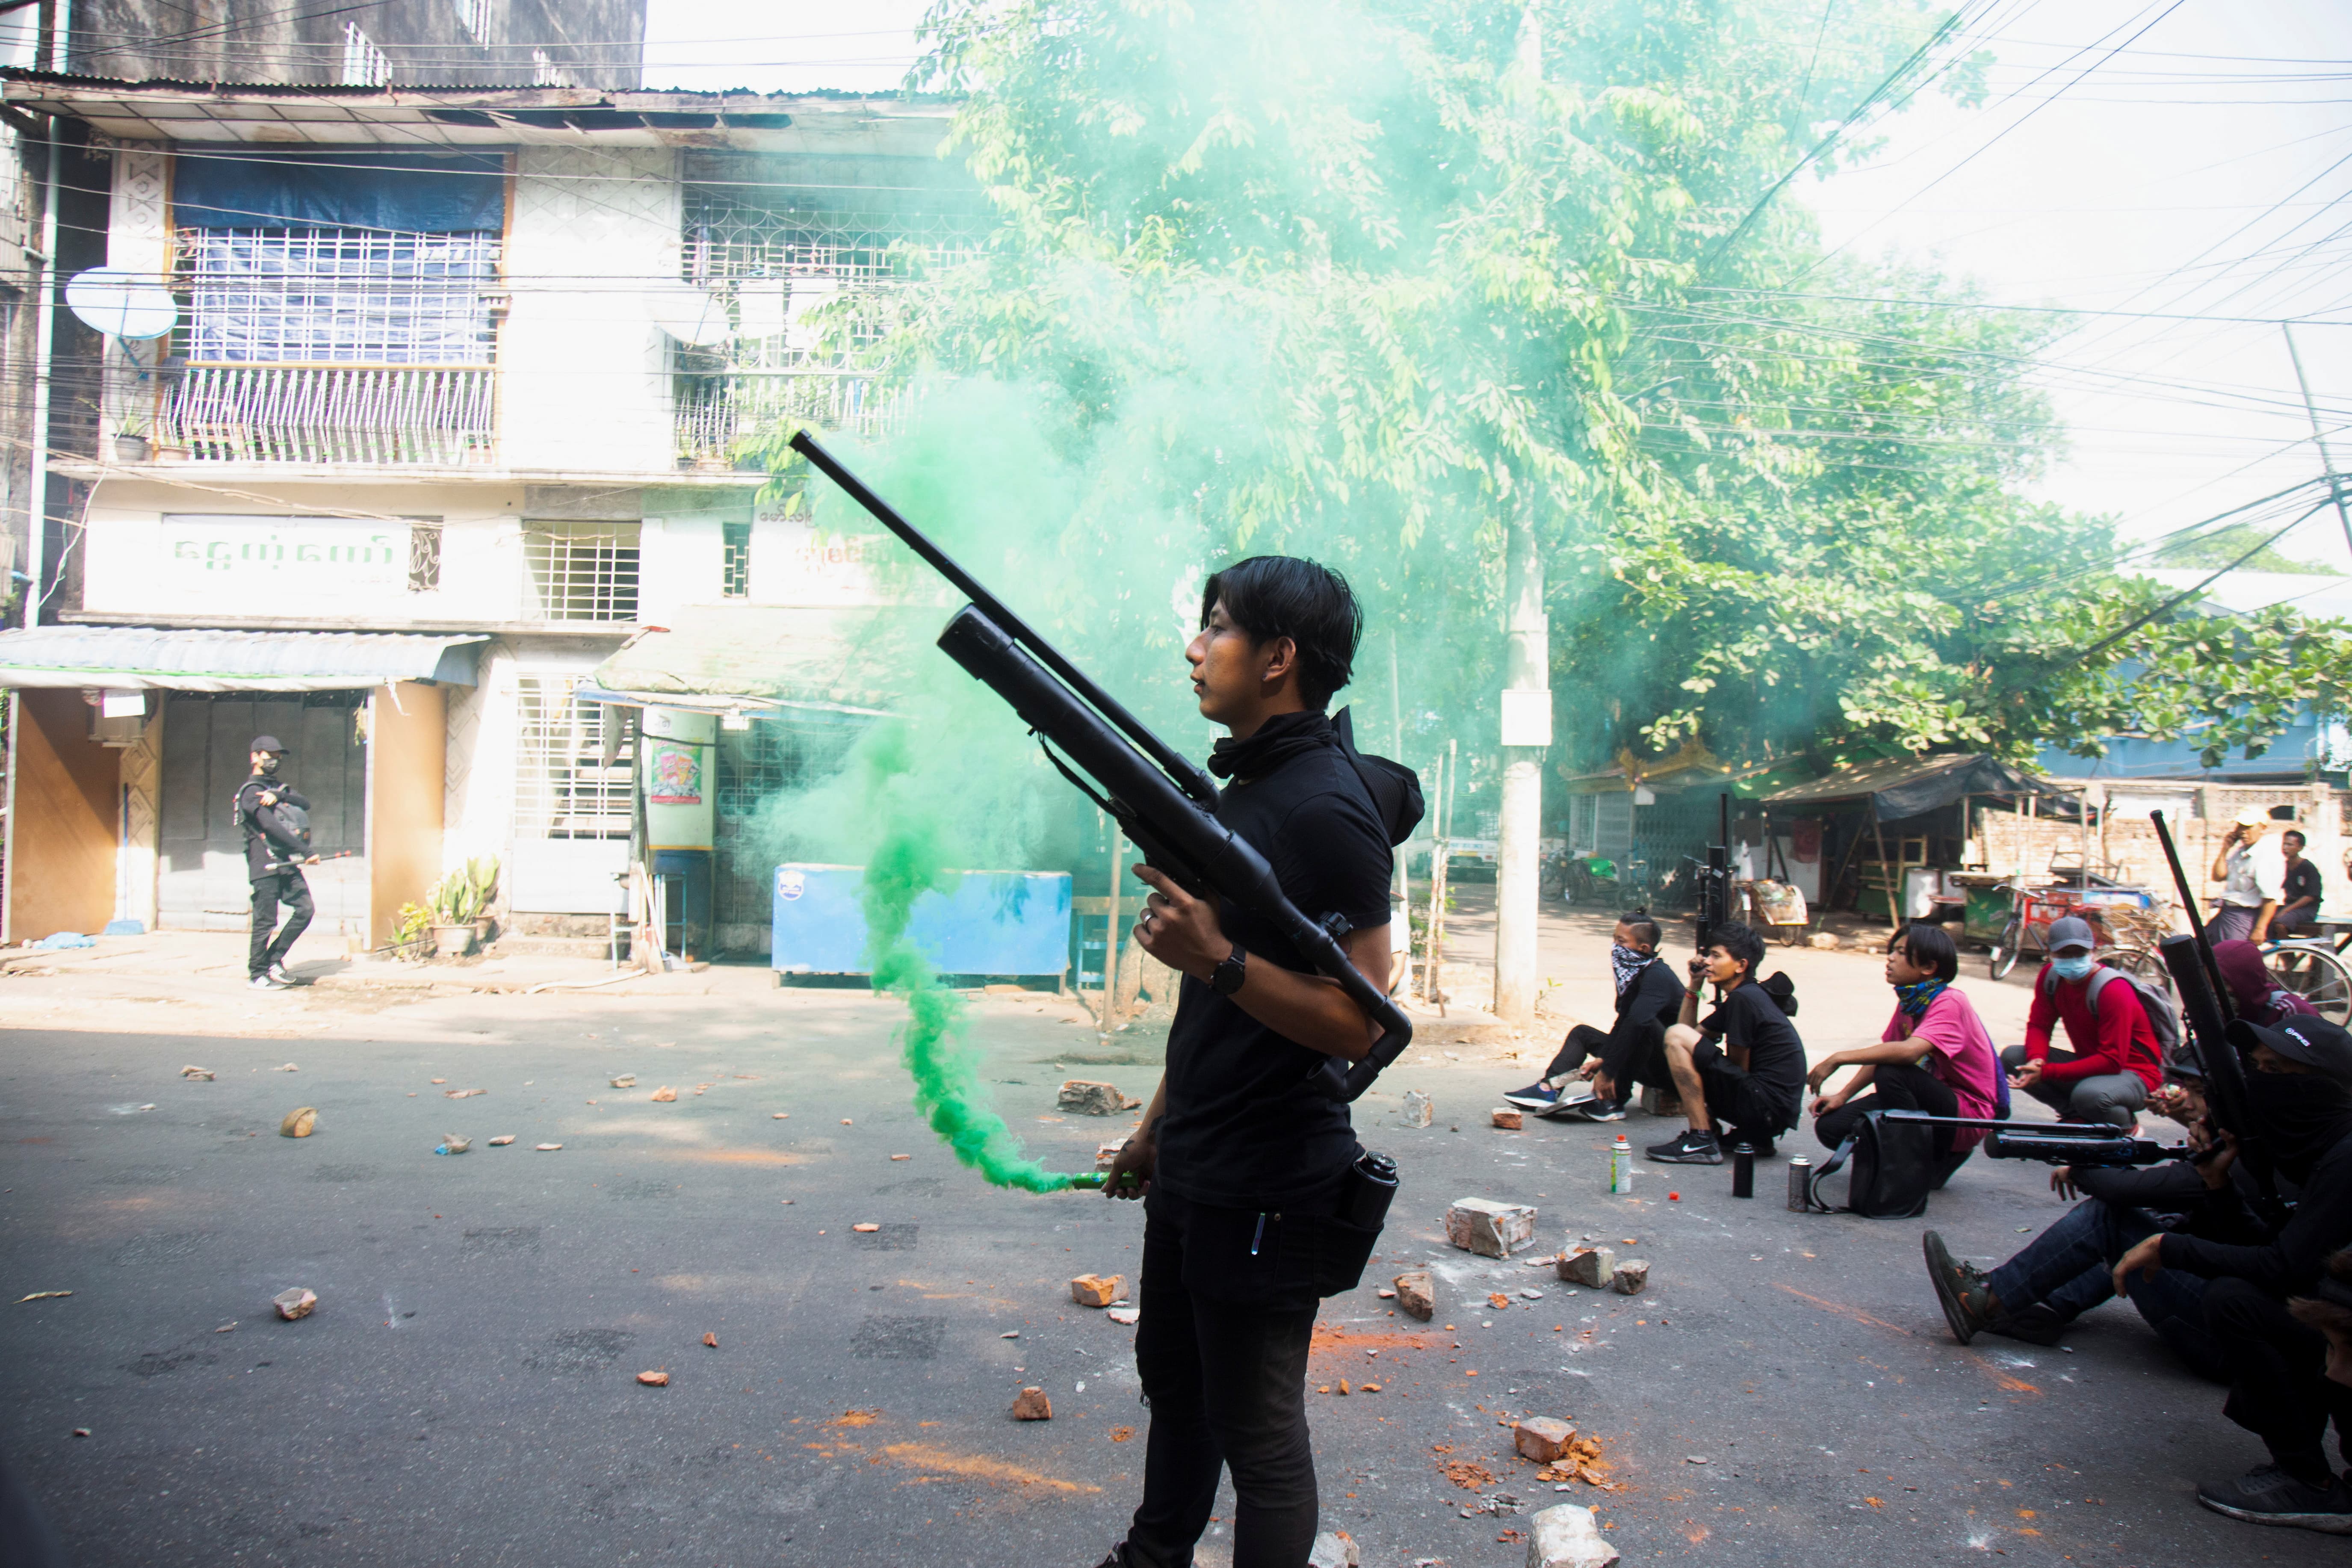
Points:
x=1742 y=1066
x=2276 y=1365
x=1246 y=1151
x=275 y=852
x=1632 y=1050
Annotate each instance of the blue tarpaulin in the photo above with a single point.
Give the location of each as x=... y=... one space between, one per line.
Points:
x=339 y=187
x=987 y=922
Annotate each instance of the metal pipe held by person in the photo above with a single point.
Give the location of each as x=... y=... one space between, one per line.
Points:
x=2083 y=1143
x=1160 y=799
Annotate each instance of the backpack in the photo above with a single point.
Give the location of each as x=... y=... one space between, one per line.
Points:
x=291 y=818
x=2163 y=1015
x=1395 y=789
x=1893 y=1169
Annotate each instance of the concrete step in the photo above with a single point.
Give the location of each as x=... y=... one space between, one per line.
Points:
x=548 y=947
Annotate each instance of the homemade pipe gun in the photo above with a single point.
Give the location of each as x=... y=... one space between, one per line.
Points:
x=1161 y=800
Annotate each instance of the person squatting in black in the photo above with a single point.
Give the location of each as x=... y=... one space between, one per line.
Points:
x=1246 y=1151
x=1632 y=1050
x=1742 y=1066
x=274 y=856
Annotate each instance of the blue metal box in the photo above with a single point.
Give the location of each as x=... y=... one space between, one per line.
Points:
x=986 y=922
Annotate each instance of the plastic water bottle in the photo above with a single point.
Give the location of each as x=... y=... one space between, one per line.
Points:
x=1621 y=1166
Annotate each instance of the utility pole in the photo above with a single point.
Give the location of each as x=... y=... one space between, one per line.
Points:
x=1527 y=731
x=2318 y=437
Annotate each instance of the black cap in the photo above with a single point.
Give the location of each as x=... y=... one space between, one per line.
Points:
x=2314 y=1042
x=266 y=744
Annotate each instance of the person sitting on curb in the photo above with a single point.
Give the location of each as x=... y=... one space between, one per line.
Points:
x=2117 y=1058
x=1935 y=1055
x=1744 y=1065
x=1649 y=998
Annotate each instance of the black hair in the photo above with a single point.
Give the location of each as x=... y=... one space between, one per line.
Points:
x=1271 y=597
x=2296 y=833
x=1644 y=928
x=1929 y=947
x=1740 y=943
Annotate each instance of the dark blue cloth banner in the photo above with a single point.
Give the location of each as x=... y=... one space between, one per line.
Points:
x=338 y=187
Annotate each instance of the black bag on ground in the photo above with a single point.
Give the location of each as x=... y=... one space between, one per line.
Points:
x=1893 y=1169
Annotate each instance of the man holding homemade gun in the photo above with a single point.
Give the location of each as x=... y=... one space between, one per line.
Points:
x=1246 y=1149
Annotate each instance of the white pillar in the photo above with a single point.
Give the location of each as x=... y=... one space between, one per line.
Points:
x=1526 y=731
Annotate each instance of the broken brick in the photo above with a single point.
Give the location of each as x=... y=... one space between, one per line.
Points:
x=1542 y=1438
x=1097 y=1289
x=1489 y=1229
x=1033 y=1406
x=1416 y=1293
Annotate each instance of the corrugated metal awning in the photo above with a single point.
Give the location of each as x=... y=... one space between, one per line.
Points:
x=134 y=658
x=721 y=657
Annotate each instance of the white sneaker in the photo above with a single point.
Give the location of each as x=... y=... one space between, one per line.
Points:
x=266 y=982
x=283 y=975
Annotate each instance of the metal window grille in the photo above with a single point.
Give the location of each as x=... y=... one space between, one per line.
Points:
x=474 y=15
x=583 y=572
x=339 y=296
x=567 y=785
x=777 y=755
x=424 y=557
x=365 y=65
x=545 y=73
x=735 y=577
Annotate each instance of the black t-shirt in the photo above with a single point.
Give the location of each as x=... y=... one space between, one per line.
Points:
x=267 y=841
x=1776 y=1056
x=1253 y=1118
x=2302 y=882
x=1644 y=1011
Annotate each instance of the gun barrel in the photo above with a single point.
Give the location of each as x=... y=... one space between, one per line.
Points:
x=1183 y=770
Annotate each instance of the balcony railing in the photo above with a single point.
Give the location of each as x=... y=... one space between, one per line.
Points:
x=406 y=415
x=720 y=416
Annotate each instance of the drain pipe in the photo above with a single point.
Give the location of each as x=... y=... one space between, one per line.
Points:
x=45 y=332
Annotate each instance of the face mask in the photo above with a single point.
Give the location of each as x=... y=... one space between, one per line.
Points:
x=2073 y=968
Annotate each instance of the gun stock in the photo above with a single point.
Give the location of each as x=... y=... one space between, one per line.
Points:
x=1156 y=798
x=2084 y=1143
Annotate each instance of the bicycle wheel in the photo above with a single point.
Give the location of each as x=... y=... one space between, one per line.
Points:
x=2004 y=949
x=2315 y=975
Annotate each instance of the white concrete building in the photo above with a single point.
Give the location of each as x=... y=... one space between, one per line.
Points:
x=465 y=391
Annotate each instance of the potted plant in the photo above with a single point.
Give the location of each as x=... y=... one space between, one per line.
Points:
x=415 y=921
x=482 y=874
x=132 y=442
x=455 y=901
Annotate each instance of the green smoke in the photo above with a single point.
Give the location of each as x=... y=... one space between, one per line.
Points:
x=906 y=863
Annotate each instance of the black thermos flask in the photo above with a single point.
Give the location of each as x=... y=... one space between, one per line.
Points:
x=1743 y=1171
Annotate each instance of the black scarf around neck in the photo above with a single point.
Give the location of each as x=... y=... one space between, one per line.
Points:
x=1281 y=738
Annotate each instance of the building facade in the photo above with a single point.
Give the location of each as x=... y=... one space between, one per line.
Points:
x=466 y=393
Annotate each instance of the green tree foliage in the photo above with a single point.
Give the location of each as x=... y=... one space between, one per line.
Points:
x=1365 y=281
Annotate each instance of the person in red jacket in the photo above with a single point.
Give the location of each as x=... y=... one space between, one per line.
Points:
x=2117 y=1058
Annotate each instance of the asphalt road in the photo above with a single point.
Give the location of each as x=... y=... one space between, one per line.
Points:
x=466 y=1391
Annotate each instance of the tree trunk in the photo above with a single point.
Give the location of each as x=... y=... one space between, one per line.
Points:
x=1526 y=731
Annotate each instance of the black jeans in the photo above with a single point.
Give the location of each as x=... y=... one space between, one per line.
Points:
x=1584 y=1042
x=1894 y=1086
x=2279 y=1389
x=2070 y=1268
x=286 y=888
x=1227 y=1386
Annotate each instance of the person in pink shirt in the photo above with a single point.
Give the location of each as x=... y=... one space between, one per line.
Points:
x=2117 y=1058
x=1935 y=1055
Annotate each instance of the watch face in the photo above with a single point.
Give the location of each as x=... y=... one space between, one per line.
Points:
x=1227 y=978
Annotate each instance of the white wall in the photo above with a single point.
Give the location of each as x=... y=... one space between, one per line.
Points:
x=585 y=381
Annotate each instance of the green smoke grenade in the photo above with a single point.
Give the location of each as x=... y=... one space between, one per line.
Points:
x=906 y=864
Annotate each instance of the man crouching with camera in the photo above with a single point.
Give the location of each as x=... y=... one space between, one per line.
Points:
x=1254 y=1204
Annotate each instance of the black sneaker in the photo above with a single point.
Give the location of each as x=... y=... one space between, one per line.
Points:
x=1596 y=1110
x=1693 y=1148
x=1538 y=1097
x=2038 y=1324
x=2268 y=1495
x=1965 y=1297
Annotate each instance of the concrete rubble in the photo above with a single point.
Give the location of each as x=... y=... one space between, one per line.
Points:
x=1542 y=1438
x=664 y=1095
x=300 y=1122
x=202 y=1073
x=1416 y=1294
x=294 y=1303
x=1489 y=1229
x=1031 y=1404
x=1419 y=1110
x=1593 y=1266
x=654 y=1379
x=1334 y=1549
x=1084 y=1097
x=1630 y=1277
x=1107 y=1152
x=1566 y=1537
x=1507 y=1119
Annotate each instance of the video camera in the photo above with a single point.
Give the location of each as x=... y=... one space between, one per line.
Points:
x=1161 y=800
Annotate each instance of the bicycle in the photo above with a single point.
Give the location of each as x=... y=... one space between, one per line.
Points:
x=2031 y=911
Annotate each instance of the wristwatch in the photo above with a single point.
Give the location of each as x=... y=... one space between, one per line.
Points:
x=1227 y=978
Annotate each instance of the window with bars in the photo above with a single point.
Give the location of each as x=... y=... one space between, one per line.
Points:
x=583 y=571
x=339 y=296
x=735 y=572
x=777 y=753
x=365 y=65
x=475 y=17
x=574 y=772
x=545 y=73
